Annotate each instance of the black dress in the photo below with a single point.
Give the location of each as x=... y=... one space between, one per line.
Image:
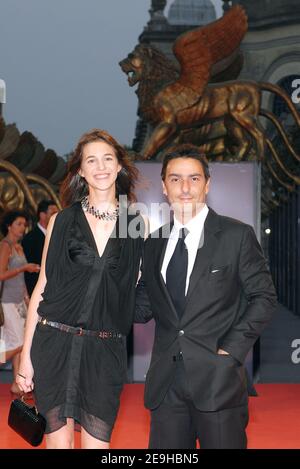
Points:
x=81 y=377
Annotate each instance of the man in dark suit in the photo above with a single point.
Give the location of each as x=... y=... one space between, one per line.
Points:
x=33 y=242
x=206 y=284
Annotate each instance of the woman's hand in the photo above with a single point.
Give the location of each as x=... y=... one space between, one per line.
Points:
x=31 y=267
x=25 y=375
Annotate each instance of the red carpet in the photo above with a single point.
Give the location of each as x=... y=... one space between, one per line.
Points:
x=274 y=419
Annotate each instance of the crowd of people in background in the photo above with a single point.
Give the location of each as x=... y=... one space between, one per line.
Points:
x=20 y=259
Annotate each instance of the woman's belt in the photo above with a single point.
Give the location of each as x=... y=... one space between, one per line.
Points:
x=80 y=330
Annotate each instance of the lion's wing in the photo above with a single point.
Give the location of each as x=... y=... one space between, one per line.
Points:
x=199 y=49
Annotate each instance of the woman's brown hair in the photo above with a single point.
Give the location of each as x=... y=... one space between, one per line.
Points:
x=74 y=187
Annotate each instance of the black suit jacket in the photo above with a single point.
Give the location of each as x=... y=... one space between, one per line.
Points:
x=33 y=244
x=229 y=300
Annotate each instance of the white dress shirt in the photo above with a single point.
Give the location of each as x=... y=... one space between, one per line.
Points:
x=43 y=230
x=192 y=240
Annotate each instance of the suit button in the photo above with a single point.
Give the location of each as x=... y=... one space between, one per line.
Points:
x=181 y=333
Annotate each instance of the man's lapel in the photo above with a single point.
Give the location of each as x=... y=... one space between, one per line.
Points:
x=207 y=246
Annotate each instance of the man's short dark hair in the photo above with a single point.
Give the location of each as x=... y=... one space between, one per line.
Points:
x=185 y=150
x=43 y=206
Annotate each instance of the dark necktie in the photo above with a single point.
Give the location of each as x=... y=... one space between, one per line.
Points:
x=176 y=273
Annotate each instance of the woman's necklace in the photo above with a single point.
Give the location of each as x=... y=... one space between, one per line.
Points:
x=106 y=215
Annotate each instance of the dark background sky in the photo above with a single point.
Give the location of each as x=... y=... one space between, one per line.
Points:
x=59 y=59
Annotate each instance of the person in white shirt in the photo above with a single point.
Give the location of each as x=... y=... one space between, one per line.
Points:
x=206 y=284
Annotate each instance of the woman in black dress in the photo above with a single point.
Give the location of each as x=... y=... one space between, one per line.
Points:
x=74 y=352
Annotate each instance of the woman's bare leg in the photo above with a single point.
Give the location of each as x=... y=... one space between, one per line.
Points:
x=89 y=442
x=62 y=438
x=14 y=355
x=16 y=364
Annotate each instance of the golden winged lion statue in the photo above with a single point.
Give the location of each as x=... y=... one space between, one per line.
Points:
x=174 y=101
